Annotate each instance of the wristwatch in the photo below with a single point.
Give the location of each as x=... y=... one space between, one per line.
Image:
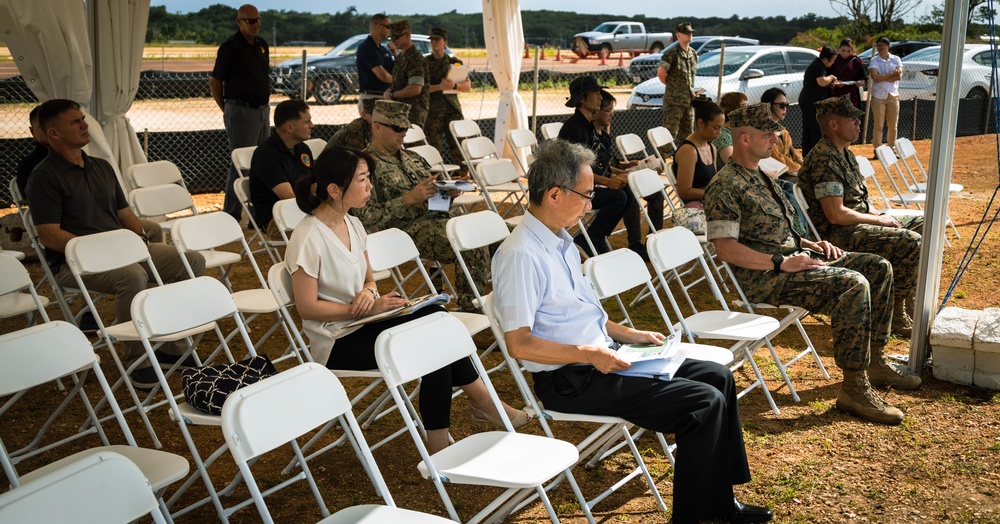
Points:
x=374 y=292
x=778 y=259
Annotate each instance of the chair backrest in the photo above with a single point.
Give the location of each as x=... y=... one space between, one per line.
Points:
x=280 y=282
x=206 y=231
x=889 y=161
x=316 y=146
x=287 y=215
x=613 y=273
x=551 y=130
x=159 y=200
x=40 y=354
x=800 y=198
x=14 y=278
x=446 y=339
x=660 y=136
x=479 y=147
x=156 y=173
x=15 y=193
x=100 y=252
x=519 y=139
x=476 y=230
x=104 y=487
x=462 y=129
x=390 y=248
x=429 y=153
x=497 y=171
x=241 y=159
x=180 y=306
x=674 y=247
x=868 y=171
x=630 y=144
x=414 y=135
x=905 y=148
x=644 y=183
x=907 y=151
x=241 y=186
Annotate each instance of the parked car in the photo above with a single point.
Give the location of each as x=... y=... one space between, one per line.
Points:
x=902 y=48
x=333 y=74
x=920 y=73
x=644 y=67
x=749 y=69
x=619 y=36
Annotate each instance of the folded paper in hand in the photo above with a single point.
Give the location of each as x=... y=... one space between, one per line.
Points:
x=639 y=352
x=653 y=361
x=772 y=166
x=412 y=306
x=460 y=185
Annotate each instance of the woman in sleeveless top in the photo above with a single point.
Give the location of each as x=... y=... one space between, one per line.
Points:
x=694 y=161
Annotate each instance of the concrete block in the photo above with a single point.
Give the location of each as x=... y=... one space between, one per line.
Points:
x=987 y=336
x=954 y=327
x=953 y=364
x=987 y=362
x=986 y=380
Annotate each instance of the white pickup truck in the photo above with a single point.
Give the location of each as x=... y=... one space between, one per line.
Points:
x=619 y=36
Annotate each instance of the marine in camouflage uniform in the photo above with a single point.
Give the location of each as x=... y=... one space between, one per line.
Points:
x=856 y=289
x=830 y=170
x=410 y=69
x=680 y=65
x=397 y=171
x=358 y=133
x=444 y=107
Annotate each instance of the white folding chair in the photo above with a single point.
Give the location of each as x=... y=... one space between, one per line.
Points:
x=149 y=174
x=104 y=488
x=241 y=186
x=800 y=198
x=906 y=151
x=475 y=231
x=433 y=157
x=286 y=215
x=14 y=281
x=630 y=144
x=241 y=159
x=868 y=172
x=521 y=463
x=660 y=137
x=278 y=410
x=175 y=309
x=414 y=135
x=280 y=282
x=676 y=247
x=461 y=130
x=498 y=175
x=523 y=142
x=551 y=130
x=63 y=295
x=161 y=200
x=316 y=146
x=40 y=354
x=888 y=160
x=597 y=444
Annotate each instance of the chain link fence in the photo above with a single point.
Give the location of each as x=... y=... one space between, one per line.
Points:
x=177 y=120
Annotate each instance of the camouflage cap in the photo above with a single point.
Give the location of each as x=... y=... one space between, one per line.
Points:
x=399 y=28
x=390 y=112
x=757 y=116
x=684 y=28
x=839 y=106
x=368 y=105
x=439 y=33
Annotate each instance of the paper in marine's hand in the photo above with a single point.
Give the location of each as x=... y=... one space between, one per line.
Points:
x=460 y=185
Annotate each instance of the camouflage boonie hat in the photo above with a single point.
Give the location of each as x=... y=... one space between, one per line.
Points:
x=757 y=116
x=368 y=105
x=684 y=28
x=839 y=106
x=439 y=32
x=398 y=28
x=392 y=113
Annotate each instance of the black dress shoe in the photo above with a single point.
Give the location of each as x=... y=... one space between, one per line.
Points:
x=745 y=513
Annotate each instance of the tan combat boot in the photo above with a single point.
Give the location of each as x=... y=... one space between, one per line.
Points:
x=858 y=398
x=902 y=323
x=883 y=372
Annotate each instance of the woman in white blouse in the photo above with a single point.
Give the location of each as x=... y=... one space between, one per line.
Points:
x=334 y=285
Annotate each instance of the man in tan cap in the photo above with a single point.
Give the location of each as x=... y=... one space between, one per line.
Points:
x=838 y=206
x=402 y=185
x=444 y=104
x=676 y=71
x=409 y=74
x=750 y=224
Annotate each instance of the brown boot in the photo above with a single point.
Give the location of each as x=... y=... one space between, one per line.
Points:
x=883 y=372
x=858 y=398
x=902 y=324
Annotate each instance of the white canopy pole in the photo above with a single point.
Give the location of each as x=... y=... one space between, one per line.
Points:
x=504 y=44
x=942 y=156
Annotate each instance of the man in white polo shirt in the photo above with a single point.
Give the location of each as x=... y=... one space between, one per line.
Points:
x=886 y=70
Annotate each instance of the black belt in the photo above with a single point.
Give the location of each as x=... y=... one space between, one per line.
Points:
x=372 y=92
x=241 y=103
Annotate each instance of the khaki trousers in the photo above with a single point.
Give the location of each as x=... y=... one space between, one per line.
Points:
x=885 y=111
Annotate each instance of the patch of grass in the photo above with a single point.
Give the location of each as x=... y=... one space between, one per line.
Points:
x=995 y=446
x=959 y=294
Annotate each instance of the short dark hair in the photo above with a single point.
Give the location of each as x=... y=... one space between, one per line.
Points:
x=607 y=99
x=772 y=94
x=883 y=40
x=33 y=116
x=847 y=42
x=826 y=52
x=707 y=112
x=289 y=110
x=50 y=110
x=335 y=166
x=376 y=18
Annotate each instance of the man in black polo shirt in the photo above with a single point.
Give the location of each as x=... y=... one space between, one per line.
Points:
x=374 y=61
x=610 y=193
x=28 y=163
x=72 y=194
x=241 y=86
x=280 y=161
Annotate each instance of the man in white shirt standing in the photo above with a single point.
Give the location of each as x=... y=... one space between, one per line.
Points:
x=886 y=70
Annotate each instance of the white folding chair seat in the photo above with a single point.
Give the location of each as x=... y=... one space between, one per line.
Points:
x=40 y=354
x=241 y=186
x=174 y=308
x=316 y=146
x=676 y=247
x=149 y=174
x=523 y=142
x=278 y=410
x=800 y=198
x=521 y=463
x=14 y=301
x=906 y=151
x=241 y=159
x=551 y=130
x=103 y=488
x=414 y=135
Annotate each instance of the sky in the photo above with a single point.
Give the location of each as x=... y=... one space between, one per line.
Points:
x=661 y=9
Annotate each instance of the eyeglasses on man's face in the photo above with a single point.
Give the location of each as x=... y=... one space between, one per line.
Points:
x=587 y=196
x=780 y=105
x=250 y=21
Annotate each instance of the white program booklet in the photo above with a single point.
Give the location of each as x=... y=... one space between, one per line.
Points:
x=641 y=352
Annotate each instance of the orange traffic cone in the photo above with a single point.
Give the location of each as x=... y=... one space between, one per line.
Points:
x=527 y=50
x=542 y=56
x=559 y=54
x=621 y=59
x=604 y=57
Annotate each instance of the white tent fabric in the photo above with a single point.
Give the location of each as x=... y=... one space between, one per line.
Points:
x=504 y=43
x=48 y=40
x=119 y=29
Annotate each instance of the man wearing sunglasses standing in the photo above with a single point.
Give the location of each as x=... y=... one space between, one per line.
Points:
x=374 y=61
x=241 y=86
x=409 y=74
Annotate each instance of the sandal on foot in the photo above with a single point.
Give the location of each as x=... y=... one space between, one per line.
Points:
x=518 y=420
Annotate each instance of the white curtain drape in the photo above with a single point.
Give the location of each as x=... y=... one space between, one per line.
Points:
x=49 y=43
x=504 y=44
x=119 y=30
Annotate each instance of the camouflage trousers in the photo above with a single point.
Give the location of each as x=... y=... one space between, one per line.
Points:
x=432 y=242
x=855 y=290
x=438 y=133
x=900 y=246
x=679 y=119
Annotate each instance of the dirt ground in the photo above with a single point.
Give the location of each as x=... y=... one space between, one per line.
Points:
x=810 y=463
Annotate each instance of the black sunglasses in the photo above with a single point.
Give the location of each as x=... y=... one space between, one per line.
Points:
x=251 y=21
x=395 y=128
x=780 y=105
x=397 y=37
